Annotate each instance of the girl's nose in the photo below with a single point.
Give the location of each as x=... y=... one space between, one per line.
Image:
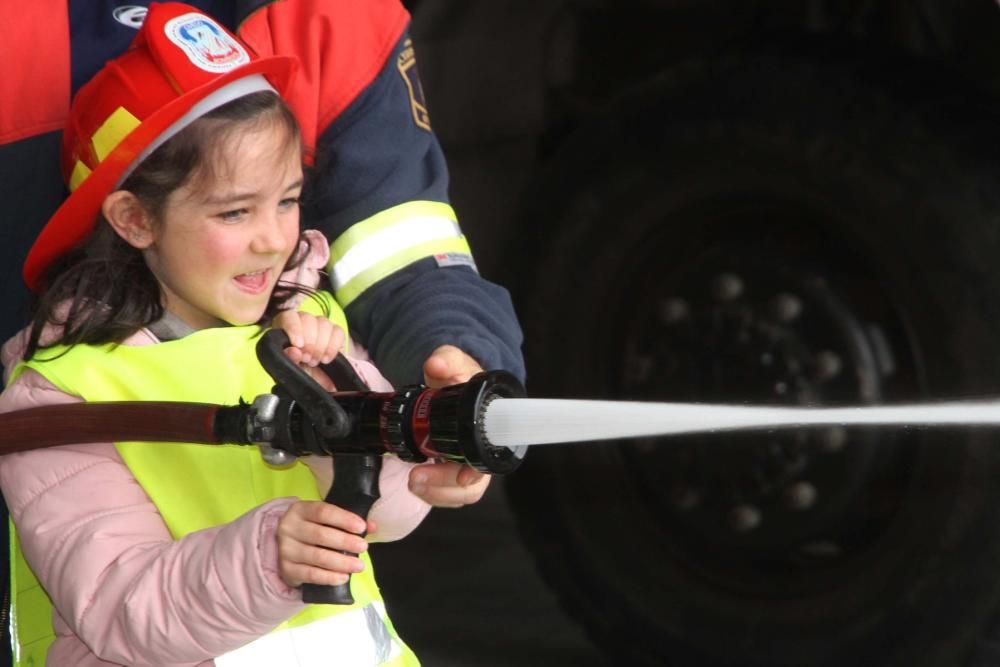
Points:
x=269 y=236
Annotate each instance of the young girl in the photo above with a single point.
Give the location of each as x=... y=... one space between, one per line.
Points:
x=180 y=239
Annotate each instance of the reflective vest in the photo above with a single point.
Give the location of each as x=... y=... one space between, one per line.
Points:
x=219 y=483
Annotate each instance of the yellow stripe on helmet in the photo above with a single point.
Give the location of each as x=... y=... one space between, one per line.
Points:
x=111 y=132
x=79 y=175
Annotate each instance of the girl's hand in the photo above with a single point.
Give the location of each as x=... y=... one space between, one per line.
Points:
x=311 y=536
x=314 y=340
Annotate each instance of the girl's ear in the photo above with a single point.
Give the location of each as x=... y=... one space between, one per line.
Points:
x=127 y=216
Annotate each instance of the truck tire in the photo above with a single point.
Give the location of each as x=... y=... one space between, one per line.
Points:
x=770 y=230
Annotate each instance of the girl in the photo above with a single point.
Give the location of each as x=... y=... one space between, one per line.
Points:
x=179 y=239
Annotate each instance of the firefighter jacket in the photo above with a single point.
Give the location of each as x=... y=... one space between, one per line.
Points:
x=400 y=265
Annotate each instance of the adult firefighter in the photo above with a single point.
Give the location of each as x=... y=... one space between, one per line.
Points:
x=400 y=266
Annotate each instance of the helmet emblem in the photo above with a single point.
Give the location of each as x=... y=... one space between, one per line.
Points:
x=207 y=45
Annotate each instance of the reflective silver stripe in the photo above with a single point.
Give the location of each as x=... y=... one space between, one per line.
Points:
x=389 y=241
x=377 y=247
x=356 y=638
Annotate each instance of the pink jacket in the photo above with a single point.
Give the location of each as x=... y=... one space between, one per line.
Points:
x=125 y=592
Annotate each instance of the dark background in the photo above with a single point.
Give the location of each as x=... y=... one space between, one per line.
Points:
x=463 y=592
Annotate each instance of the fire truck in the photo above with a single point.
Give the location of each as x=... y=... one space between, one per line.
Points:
x=790 y=202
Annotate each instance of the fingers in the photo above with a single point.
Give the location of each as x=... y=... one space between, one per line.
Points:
x=448 y=484
x=469 y=476
x=311 y=538
x=449 y=365
x=314 y=340
x=327 y=342
x=289 y=322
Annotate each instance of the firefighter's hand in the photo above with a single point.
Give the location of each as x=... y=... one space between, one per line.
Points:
x=314 y=340
x=448 y=484
x=311 y=536
x=449 y=365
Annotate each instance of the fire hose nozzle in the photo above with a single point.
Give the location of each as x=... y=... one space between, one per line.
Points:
x=416 y=423
x=447 y=423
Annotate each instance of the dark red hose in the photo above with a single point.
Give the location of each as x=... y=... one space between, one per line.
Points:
x=78 y=423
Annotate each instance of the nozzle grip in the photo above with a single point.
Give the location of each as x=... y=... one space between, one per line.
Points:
x=355 y=489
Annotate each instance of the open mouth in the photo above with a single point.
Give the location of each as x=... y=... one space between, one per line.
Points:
x=254 y=282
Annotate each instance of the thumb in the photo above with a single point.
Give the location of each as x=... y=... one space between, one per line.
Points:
x=449 y=365
x=436 y=368
x=467 y=476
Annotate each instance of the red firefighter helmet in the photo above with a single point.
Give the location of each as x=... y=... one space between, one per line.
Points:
x=181 y=65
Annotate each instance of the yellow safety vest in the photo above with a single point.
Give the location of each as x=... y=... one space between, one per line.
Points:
x=199 y=486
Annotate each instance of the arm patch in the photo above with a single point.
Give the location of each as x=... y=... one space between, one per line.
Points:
x=406 y=63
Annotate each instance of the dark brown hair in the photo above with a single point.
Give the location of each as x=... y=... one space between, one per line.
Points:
x=102 y=291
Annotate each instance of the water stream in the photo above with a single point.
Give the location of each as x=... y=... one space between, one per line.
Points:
x=539 y=421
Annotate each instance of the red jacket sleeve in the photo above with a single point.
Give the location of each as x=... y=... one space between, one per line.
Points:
x=341 y=46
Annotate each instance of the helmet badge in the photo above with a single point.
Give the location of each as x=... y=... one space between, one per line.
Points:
x=208 y=46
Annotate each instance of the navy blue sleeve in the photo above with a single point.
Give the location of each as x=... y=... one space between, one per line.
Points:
x=374 y=156
x=412 y=312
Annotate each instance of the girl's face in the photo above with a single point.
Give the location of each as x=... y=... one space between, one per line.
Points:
x=225 y=236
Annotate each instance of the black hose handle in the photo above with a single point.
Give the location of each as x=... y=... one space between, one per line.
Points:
x=355 y=476
x=355 y=489
x=328 y=418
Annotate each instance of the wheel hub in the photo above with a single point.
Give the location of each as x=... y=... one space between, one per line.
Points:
x=728 y=328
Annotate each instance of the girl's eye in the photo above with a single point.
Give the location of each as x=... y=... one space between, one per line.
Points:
x=233 y=216
x=290 y=202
